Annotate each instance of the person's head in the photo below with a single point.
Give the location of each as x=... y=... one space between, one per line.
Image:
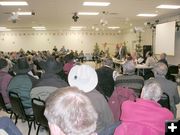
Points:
x=108 y=62
x=163 y=56
x=160 y=69
x=22 y=66
x=129 y=68
x=149 y=54
x=4 y=64
x=151 y=91
x=128 y=56
x=70 y=112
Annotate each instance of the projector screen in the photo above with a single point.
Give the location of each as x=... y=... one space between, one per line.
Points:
x=165 y=38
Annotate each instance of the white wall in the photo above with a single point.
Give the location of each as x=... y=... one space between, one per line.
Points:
x=75 y=40
x=132 y=39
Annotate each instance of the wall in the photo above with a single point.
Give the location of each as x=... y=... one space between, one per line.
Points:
x=75 y=40
x=132 y=38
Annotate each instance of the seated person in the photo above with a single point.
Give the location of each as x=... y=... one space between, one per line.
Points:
x=70 y=112
x=167 y=86
x=50 y=81
x=8 y=127
x=85 y=79
x=150 y=61
x=105 y=78
x=163 y=58
x=22 y=83
x=129 y=79
x=145 y=116
x=5 y=78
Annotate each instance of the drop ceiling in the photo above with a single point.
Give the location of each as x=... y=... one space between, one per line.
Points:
x=57 y=14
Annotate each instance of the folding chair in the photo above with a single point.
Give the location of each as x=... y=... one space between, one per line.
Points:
x=38 y=106
x=18 y=110
x=164 y=101
x=3 y=106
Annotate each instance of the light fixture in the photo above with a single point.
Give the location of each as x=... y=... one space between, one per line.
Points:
x=76 y=27
x=113 y=27
x=13 y=3
x=100 y=4
x=25 y=13
x=169 y=6
x=4 y=29
x=147 y=15
x=88 y=13
x=39 y=28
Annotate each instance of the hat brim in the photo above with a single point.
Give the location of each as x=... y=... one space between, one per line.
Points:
x=20 y=71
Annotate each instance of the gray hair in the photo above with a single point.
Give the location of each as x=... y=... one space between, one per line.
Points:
x=129 y=68
x=108 y=62
x=163 y=55
x=151 y=91
x=71 y=111
x=160 y=69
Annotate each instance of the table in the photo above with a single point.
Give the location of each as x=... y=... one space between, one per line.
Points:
x=142 y=67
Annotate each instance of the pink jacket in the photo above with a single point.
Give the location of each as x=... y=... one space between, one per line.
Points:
x=144 y=117
x=67 y=67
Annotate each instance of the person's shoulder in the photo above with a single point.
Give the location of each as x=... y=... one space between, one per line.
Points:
x=167 y=113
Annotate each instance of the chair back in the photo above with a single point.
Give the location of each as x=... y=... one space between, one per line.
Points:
x=38 y=110
x=164 y=101
x=2 y=103
x=17 y=106
x=173 y=69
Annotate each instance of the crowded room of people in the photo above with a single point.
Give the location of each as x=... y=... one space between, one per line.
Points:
x=89 y=67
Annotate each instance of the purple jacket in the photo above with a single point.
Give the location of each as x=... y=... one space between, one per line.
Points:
x=4 y=82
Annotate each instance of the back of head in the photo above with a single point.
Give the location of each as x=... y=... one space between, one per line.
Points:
x=129 y=68
x=108 y=62
x=71 y=111
x=51 y=65
x=160 y=69
x=22 y=66
x=151 y=91
x=3 y=63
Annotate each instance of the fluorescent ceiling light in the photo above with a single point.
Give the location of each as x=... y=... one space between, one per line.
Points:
x=88 y=13
x=39 y=28
x=101 y=4
x=147 y=15
x=169 y=6
x=24 y=13
x=4 y=29
x=13 y=3
x=113 y=27
x=76 y=27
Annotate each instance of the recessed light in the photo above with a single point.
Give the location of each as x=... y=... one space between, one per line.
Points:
x=13 y=3
x=100 y=4
x=147 y=15
x=113 y=27
x=88 y=13
x=169 y=6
